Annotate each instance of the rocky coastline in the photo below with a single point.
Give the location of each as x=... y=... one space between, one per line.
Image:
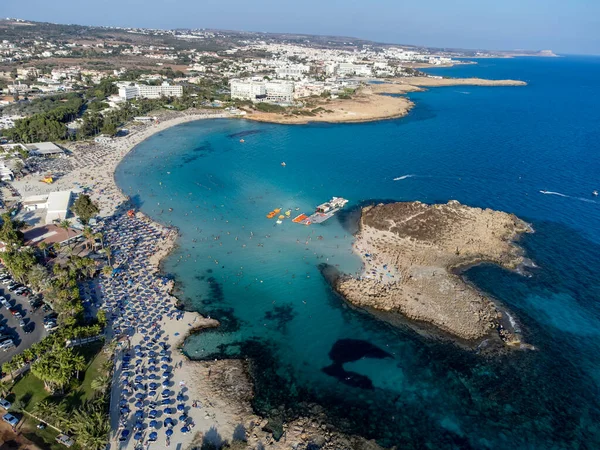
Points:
x=413 y=256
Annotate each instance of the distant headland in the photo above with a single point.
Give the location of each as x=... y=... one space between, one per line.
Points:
x=371 y=102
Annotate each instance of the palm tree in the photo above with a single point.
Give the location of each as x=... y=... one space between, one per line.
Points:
x=65 y=225
x=43 y=246
x=88 y=234
x=90 y=424
x=100 y=383
x=107 y=270
x=4 y=388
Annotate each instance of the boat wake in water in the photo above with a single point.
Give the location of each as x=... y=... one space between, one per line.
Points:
x=587 y=200
x=403 y=177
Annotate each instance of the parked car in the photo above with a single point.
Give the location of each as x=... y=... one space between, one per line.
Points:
x=10 y=419
x=6 y=344
x=13 y=311
x=5 y=404
x=22 y=323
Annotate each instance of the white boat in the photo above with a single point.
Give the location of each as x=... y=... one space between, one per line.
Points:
x=595 y=193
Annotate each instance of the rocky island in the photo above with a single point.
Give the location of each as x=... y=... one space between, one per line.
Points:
x=413 y=253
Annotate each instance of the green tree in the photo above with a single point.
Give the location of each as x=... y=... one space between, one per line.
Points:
x=109 y=128
x=65 y=225
x=100 y=383
x=84 y=208
x=39 y=278
x=91 y=426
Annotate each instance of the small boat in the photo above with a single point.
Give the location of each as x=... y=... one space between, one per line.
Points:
x=299 y=218
x=595 y=193
x=288 y=212
x=242 y=141
x=279 y=222
x=281 y=217
x=283 y=164
x=273 y=213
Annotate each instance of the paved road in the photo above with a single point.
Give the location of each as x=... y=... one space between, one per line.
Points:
x=34 y=321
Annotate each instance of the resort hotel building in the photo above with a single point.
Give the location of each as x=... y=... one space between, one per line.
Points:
x=130 y=91
x=274 y=91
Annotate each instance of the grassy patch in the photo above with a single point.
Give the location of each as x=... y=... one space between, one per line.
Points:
x=42 y=438
x=30 y=390
x=93 y=371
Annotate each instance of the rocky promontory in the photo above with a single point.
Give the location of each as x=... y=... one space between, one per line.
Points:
x=413 y=253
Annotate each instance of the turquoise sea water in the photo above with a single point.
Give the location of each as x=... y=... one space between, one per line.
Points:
x=491 y=147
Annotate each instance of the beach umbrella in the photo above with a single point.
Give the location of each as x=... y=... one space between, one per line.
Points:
x=153 y=413
x=169 y=432
x=139 y=426
x=166 y=383
x=180 y=397
x=166 y=375
x=165 y=401
x=139 y=386
x=185 y=430
x=137 y=436
x=183 y=417
x=169 y=411
x=152 y=393
x=139 y=395
x=153 y=436
x=153 y=376
x=165 y=367
x=181 y=407
x=169 y=421
x=166 y=393
x=139 y=414
x=139 y=404
x=153 y=424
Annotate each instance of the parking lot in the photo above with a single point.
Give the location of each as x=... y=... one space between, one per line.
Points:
x=23 y=337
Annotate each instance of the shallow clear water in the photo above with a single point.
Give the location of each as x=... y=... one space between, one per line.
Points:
x=489 y=147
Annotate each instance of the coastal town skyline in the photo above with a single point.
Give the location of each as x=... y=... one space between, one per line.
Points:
x=568 y=28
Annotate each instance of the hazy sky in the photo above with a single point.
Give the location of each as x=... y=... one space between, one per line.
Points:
x=565 y=26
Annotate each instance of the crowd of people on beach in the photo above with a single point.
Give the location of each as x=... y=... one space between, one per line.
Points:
x=138 y=304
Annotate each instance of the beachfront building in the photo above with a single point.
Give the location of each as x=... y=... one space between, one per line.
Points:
x=279 y=91
x=275 y=91
x=44 y=149
x=56 y=205
x=50 y=235
x=248 y=90
x=128 y=92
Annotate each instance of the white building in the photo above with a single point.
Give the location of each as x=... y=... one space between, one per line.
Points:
x=129 y=92
x=295 y=72
x=345 y=69
x=56 y=204
x=279 y=91
x=248 y=90
x=276 y=91
x=44 y=149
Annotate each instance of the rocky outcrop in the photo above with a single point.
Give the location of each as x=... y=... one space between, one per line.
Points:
x=226 y=387
x=413 y=253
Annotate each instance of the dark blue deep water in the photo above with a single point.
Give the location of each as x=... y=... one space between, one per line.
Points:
x=495 y=147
